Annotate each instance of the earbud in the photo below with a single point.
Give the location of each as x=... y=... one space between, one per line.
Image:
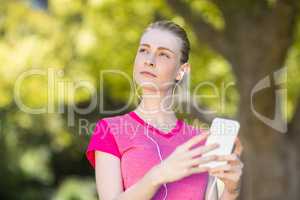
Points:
x=181 y=74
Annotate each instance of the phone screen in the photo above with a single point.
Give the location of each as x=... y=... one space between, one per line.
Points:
x=223 y=132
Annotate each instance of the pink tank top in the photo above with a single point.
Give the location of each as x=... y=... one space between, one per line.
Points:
x=137 y=144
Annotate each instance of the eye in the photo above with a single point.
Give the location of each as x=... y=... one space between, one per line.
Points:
x=142 y=50
x=164 y=54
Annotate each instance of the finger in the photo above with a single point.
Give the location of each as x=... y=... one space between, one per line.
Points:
x=195 y=140
x=203 y=149
x=227 y=176
x=231 y=158
x=238 y=147
x=226 y=168
x=201 y=160
x=198 y=169
x=236 y=162
x=221 y=168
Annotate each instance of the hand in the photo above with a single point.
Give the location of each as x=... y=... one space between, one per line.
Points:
x=230 y=173
x=184 y=161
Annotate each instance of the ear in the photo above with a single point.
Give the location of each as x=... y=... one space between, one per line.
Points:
x=184 y=68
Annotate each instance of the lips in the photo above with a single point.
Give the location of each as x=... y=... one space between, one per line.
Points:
x=148 y=73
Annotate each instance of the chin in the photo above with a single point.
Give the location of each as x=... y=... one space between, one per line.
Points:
x=148 y=84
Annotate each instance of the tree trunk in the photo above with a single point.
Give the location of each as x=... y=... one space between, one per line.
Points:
x=255 y=41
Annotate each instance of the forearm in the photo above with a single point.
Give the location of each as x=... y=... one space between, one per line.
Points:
x=143 y=189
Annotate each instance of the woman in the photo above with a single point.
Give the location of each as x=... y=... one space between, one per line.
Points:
x=136 y=156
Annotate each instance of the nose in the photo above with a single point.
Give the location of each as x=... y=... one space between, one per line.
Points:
x=150 y=61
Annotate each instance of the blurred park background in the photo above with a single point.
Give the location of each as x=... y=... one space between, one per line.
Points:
x=235 y=44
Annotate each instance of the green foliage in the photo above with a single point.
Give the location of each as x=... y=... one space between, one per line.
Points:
x=76 y=188
x=293 y=73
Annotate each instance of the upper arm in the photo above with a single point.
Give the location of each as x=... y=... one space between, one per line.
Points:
x=108 y=175
x=103 y=155
x=211 y=189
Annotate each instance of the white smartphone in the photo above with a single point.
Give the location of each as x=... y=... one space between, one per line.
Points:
x=223 y=132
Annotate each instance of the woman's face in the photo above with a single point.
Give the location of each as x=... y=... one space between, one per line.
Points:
x=157 y=61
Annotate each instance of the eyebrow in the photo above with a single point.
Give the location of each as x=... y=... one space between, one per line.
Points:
x=163 y=48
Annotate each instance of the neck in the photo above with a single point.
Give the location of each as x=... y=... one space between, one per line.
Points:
x=157 y=107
